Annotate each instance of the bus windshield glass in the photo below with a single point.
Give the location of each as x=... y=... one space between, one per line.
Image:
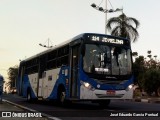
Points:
x=109 y=60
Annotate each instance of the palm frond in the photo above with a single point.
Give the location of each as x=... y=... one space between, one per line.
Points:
x=134 y=21
x=124 y=26
x=116 y=31
x=111 y=23
x=133 y=33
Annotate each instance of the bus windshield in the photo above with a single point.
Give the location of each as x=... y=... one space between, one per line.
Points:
x=109 y=60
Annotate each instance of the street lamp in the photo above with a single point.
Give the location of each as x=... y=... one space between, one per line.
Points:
x=48 y=42
x=105 y=11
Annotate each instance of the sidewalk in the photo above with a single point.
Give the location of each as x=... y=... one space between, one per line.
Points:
x=10 y=109
x=147 y=99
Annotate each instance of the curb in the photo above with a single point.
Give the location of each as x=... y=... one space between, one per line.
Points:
x=137 y=100
x=145 y=100
x=148 y=100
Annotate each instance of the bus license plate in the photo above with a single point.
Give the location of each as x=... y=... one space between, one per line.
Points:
x=111 y=92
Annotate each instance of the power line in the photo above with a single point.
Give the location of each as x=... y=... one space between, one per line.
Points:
x=100 y=2
x=110 y=4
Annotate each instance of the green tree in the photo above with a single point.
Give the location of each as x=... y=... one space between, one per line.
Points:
x=149 y=54
x=139 y=69
x=134 y=54
x=152 y=81
x=147 y=74
x=12 y=76
x=123 y=26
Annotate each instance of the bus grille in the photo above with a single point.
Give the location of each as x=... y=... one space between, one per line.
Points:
x=113 y=82
x=108 y=96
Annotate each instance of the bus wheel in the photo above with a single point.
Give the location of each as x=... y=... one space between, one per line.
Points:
x=104 y=103
x=29 y=96
x=61 y=96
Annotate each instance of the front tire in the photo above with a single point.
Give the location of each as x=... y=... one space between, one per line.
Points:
x=29 y=97
x=61 y=96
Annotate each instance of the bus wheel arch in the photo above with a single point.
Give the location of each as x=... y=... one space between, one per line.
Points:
x=61 y=93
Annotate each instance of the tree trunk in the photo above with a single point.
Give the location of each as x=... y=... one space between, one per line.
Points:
x=158 y=91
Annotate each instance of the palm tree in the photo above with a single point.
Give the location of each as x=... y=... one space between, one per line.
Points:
x=149 y=54
x=135 y=54
x=123 y=26
x=149 y=51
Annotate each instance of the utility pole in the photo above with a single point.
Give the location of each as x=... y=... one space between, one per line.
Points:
x=106 y=19
x=47 y=46
x=105 y=11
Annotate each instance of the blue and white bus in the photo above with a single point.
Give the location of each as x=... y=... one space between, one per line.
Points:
x=92 y=67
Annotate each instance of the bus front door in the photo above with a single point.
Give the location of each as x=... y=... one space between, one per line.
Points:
x=74 y=71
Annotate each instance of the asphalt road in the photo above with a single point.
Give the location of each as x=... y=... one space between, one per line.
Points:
x=87 y=110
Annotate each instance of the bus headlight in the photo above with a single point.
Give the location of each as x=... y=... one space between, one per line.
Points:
x=129 y=87
x=87 y=85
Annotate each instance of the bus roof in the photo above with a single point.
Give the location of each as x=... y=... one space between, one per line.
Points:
x=98 y=34
x=80 y=36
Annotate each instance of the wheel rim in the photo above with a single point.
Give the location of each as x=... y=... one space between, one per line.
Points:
x=62 y=97
x=28 y=96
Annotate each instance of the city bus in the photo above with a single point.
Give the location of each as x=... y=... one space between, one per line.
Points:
x=89 y=67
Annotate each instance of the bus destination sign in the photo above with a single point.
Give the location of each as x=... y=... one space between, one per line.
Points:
x=106 y=40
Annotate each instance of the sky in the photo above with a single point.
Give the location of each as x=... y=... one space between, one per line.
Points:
x=26 y=23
